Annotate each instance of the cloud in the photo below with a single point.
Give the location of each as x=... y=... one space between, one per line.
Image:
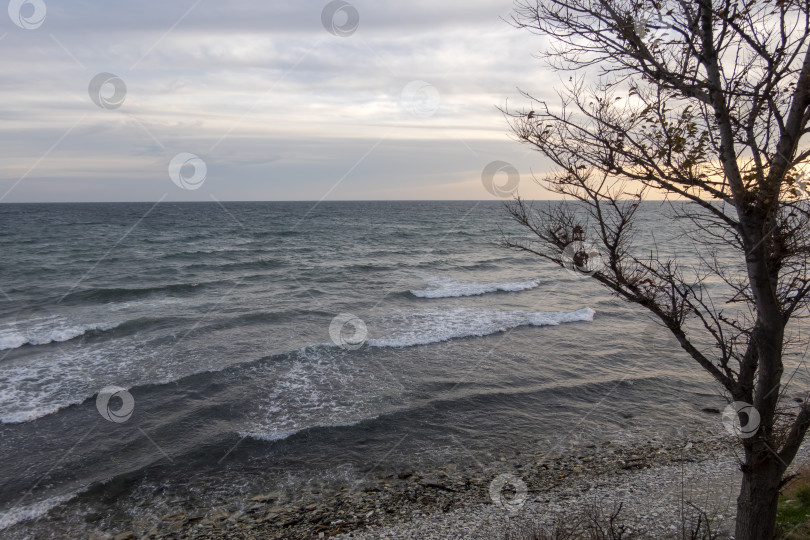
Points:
x=278 y=107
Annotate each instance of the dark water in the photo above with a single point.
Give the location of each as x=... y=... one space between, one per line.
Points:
x=216 y=321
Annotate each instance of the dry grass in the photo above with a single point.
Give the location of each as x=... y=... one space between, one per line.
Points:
x=594 y=523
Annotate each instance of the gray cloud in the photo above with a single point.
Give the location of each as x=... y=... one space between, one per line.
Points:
x=277 y=107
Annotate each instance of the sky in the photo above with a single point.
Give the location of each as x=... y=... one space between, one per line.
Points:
x=191 y=100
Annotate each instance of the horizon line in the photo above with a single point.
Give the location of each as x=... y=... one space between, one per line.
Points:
x=309 y=201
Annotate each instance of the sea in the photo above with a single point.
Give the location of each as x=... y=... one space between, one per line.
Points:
x=155 y=355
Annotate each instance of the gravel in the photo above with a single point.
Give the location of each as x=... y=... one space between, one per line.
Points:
x=661 y=484
x=651 y=499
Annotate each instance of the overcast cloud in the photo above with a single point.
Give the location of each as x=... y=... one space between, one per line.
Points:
x=274 y=105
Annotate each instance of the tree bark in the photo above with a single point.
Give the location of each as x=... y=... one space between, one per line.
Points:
x=759 y=495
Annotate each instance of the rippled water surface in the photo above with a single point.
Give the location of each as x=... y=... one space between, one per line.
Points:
x=216 y=320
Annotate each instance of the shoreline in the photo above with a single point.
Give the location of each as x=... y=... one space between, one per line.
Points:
x=454 y=500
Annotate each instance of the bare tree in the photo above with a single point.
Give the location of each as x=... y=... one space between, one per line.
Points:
x=704 y=101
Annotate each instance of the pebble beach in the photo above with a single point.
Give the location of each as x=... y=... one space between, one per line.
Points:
x=662 y=486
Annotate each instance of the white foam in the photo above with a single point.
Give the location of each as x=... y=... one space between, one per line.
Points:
x=326 y=388
x=279 y=435
x=442 y=287
x=49 y=380
x=19 y=417
x=434 y=326
x=322 y=387
x=34 y=510
x=43 y=385
x=52 y=330
x=28 y=392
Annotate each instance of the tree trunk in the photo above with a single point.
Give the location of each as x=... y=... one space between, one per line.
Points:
x=759 y=495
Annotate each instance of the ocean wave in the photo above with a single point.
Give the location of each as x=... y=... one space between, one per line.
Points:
x=421 y=327
x=29 y=415
x=259 y=264
x=280 y=435
x=435 y=326
x=42 y=333
x=35 y=510
x=441 y=287
x=121 y=293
